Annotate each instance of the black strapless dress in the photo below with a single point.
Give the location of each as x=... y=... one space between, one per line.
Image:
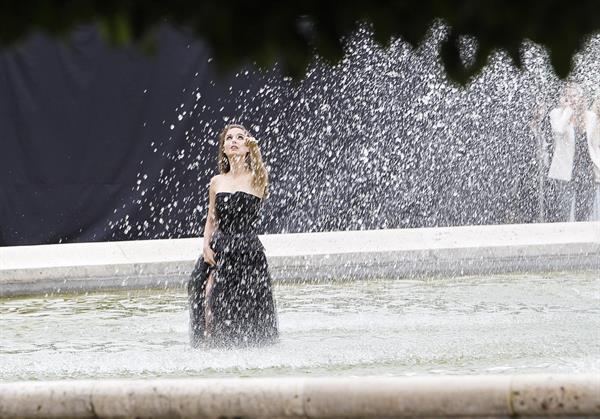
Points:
x=241 y=300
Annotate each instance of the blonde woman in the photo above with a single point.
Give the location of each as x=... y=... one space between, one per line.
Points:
x=592 y=129
x=571 y=166
x=230 y=293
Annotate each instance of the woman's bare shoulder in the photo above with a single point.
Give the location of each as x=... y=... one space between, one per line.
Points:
x=214 y=181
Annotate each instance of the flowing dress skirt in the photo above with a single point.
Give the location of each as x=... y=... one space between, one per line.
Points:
x=241 y=300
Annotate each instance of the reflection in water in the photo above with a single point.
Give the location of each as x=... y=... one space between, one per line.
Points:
x=499 y=324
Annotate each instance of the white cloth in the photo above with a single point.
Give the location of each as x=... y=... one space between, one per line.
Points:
x=592 y=131
x=595 y=215
x=563 y=132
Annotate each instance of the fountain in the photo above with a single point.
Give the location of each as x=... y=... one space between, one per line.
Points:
x=401 y=241
x=382 y=140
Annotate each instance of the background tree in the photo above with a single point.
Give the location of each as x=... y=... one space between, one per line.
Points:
x=290 y=33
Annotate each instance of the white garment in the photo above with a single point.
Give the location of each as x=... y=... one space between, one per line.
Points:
x=592 y=131
x=563 y=132
x=595 y=215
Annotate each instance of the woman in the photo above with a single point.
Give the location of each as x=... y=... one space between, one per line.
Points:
x=231 y=301
x=571 y=166
x=592 y=129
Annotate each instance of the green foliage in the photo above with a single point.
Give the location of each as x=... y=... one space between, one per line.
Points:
x=292 y=32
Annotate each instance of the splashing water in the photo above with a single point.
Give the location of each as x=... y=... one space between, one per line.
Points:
x=381 y=140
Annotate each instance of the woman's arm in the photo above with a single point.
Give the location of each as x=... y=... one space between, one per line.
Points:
x=560 y=119
x=592 y=128
x=211 y=221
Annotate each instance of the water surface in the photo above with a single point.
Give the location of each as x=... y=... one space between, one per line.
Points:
x=497 y=324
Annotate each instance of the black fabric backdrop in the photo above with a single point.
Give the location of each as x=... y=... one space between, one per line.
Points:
x=76 y=120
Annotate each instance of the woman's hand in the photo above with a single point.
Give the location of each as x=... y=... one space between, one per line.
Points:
x=251 y=141
x=209 y=255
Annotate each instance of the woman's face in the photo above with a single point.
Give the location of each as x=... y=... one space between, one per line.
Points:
x=572 y=97
x=568 y=98
x=235 y=142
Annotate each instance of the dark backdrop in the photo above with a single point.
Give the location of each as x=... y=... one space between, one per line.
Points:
x=77 y=120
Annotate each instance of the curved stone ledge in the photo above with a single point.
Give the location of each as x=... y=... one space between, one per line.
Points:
x=307 y=397
x=339 y=255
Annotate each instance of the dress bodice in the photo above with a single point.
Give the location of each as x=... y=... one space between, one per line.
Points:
x=237 y=212
x=237 y=216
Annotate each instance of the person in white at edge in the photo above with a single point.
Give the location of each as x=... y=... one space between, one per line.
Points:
x=571 y=165
x=592 y=131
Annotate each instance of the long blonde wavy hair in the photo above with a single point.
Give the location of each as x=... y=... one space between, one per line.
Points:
x=254 y=161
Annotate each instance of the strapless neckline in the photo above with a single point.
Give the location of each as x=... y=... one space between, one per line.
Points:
x=233 y=193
